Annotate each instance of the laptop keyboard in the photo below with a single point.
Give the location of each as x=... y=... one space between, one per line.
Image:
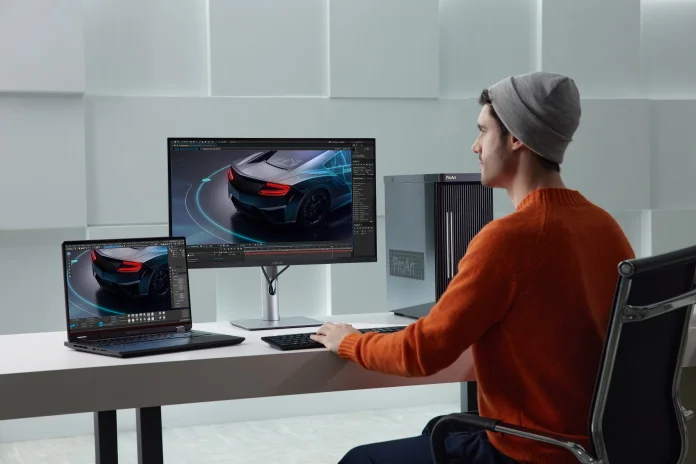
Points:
x=302 y=341
x=146 y=338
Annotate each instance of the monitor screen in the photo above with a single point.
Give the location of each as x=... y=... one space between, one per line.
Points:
x=128 y=283
x=263 y=202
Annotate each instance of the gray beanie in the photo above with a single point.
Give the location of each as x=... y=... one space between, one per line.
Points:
x=541 y=109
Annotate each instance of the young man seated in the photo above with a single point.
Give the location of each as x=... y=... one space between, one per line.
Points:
x=532 y=295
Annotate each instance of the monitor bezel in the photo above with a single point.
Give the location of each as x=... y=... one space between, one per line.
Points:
x=121 y=331
x=276 y=262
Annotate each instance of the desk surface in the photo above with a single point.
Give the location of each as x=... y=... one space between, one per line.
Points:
x=43 y=352
x=41 y=377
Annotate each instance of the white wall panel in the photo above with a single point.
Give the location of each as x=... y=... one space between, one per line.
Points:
x=383 y=49
x=203 y=287
x=473 y=55
x=269 y=47
x=635 y=225
x=302 y=291
x=669 y=48
x=33 y=292
x=609 y=160
x=146 y=47
x=597 y=42
x=127 y=142
x=41 y=46
x=42 y=178
x=672 y=230
x=674 y=154
x=124 y=231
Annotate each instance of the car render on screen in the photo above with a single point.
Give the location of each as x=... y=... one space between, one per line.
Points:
x=291 y=186
x=134 y=272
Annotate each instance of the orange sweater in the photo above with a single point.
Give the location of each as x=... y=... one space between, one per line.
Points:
x=532 y=298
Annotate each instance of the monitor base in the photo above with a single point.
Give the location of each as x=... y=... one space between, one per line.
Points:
x=283 y=323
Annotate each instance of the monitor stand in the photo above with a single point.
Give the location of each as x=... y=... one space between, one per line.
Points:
x=270 y=312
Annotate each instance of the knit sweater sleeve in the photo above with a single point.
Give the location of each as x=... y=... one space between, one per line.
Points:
x=478 y=296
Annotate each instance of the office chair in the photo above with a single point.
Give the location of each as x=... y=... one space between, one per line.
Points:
x=636 y=415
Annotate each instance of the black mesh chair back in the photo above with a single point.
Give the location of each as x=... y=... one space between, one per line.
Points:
x=636 y=414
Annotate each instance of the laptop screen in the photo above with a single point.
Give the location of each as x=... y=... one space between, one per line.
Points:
x=126 y=284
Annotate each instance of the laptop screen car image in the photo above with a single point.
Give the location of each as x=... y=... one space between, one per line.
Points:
x=114 y=285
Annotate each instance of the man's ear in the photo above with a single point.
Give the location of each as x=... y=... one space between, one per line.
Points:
x=515 y=143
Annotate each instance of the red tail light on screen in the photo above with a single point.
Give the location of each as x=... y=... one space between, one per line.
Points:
x=94 y=255
x=130 y=266
x=274 y=190
x=230 y=174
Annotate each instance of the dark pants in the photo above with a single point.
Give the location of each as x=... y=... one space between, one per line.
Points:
x=469 y=446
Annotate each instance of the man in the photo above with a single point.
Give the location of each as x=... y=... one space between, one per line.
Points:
x=532 y=296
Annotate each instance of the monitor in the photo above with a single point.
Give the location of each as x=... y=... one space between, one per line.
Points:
x=115 y=285
x=244 y=202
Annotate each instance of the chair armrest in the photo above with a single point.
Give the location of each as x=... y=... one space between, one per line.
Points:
x=448 y=424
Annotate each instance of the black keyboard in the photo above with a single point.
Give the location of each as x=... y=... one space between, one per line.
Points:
x=302 y=341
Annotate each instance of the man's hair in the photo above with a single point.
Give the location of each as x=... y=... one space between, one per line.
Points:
x=485 y=99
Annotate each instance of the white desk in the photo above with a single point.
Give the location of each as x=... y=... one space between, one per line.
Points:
x=41 y=377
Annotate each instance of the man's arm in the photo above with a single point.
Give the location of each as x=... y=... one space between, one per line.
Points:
x=478 y=297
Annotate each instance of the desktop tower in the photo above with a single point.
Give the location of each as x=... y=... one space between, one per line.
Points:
x=429 y=221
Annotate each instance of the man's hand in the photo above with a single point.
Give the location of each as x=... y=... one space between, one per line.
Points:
x=331 y=335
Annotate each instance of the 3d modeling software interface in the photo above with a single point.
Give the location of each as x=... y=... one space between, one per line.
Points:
x=261 y=202
x=132 y=283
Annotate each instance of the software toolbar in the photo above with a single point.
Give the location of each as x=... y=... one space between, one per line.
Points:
x=130 y=320
x=225 y=254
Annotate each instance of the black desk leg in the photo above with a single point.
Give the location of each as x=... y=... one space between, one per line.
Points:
x=149 y=423
x=468 y=396
x=105 y=437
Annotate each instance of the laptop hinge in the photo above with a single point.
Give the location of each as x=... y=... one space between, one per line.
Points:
x=180 y=329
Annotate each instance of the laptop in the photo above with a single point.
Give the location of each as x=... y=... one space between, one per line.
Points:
x=414 y=312
x=130 y=297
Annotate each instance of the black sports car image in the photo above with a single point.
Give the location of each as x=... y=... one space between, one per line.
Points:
x=262 y=195
x=291 y=186
x=135 y=272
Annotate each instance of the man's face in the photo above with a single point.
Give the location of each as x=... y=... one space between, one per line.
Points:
x=497 y=161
